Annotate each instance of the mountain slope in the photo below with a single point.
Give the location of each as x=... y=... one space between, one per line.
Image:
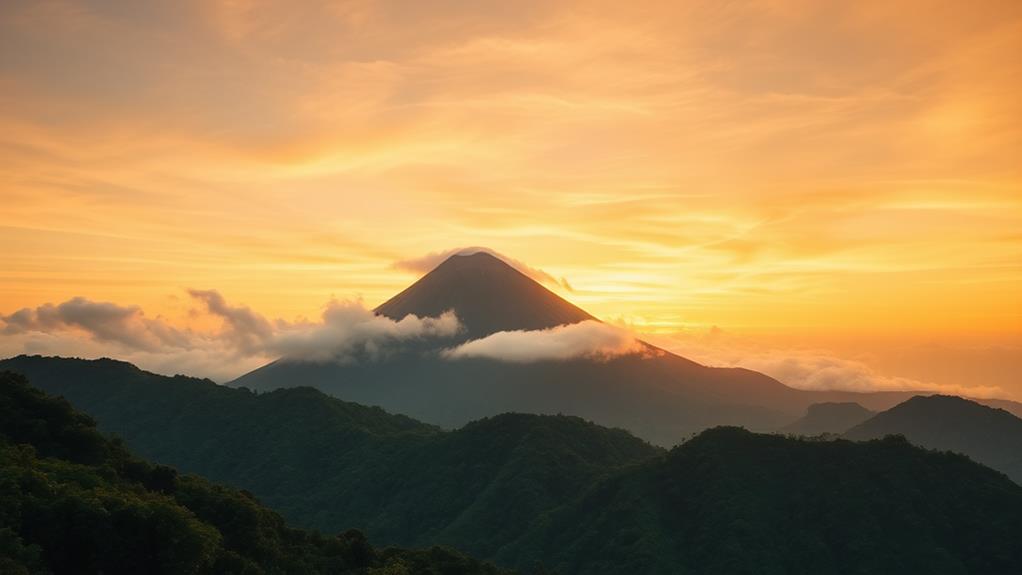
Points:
x=990 y=436
x=329 y=464
x=75 y=502
x=730 y=501
x=828 y=418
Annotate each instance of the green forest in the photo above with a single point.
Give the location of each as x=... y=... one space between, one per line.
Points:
x=527 y=492
x=73 y=501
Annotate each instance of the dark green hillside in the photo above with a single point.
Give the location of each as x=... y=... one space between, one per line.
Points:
x=990 y=436
x=483 y=485
x=329 y=464
x=527 y=489
x=72 y=501
x=730 y=501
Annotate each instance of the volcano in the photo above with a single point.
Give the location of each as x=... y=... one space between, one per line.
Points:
x=659 y=396
x=488 y=296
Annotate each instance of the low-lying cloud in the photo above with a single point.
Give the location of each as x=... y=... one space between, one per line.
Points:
x=587 y=339
x=350 y=331
x=809 y=369
x=347 y=332
x=429 y=261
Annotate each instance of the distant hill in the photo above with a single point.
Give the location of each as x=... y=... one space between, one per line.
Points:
x=329 y=464
x=75 y=502
x=990 y=436
x=823 y=418
x=662 y=398
x=730 y=501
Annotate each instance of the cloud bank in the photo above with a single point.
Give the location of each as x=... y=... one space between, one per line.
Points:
x=809 y=369
x=587 y=339
x=431 y=260
x=347 y=332
x=806 y=370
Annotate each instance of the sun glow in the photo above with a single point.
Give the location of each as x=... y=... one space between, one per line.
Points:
x=788 y=168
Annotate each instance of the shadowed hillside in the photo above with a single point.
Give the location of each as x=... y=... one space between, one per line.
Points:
x=823 y=418
x=524 y=490
x=990 y=436
x=330 y=464
x=730 y=501
x=74 y=502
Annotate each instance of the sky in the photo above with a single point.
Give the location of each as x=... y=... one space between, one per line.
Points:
x=827 y=191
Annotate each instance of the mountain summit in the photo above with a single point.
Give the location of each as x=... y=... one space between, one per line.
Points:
x=487 y=294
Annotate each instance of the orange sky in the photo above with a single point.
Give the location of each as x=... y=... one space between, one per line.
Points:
x=844 y=176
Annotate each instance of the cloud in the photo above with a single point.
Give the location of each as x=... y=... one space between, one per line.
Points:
x=431 y=260
x=823 y=372
x=347 y=332
x=206 y=357
x=350 y=331
x=590 y=339
x=103 y=321
x=800 y=368
x=247 y=330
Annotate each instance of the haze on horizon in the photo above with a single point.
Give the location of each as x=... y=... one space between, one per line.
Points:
x=833 y=189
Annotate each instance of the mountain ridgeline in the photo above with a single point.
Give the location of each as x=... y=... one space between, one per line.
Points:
x=76 y=502
x=660 y=397
x=528 y=490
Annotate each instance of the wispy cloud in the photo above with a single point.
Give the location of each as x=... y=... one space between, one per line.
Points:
x=347 y=332
x=817 y=372
x=808 y=368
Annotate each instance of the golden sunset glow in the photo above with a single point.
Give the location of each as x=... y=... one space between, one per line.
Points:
x=798 y=174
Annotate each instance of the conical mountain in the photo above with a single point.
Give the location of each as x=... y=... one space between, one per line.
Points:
x=658 y=396
x=487 y=294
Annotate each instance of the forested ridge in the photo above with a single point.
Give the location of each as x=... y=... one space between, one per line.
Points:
x=732 y=501
x=73 y=501
x=329 y=464
x=989 y=435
